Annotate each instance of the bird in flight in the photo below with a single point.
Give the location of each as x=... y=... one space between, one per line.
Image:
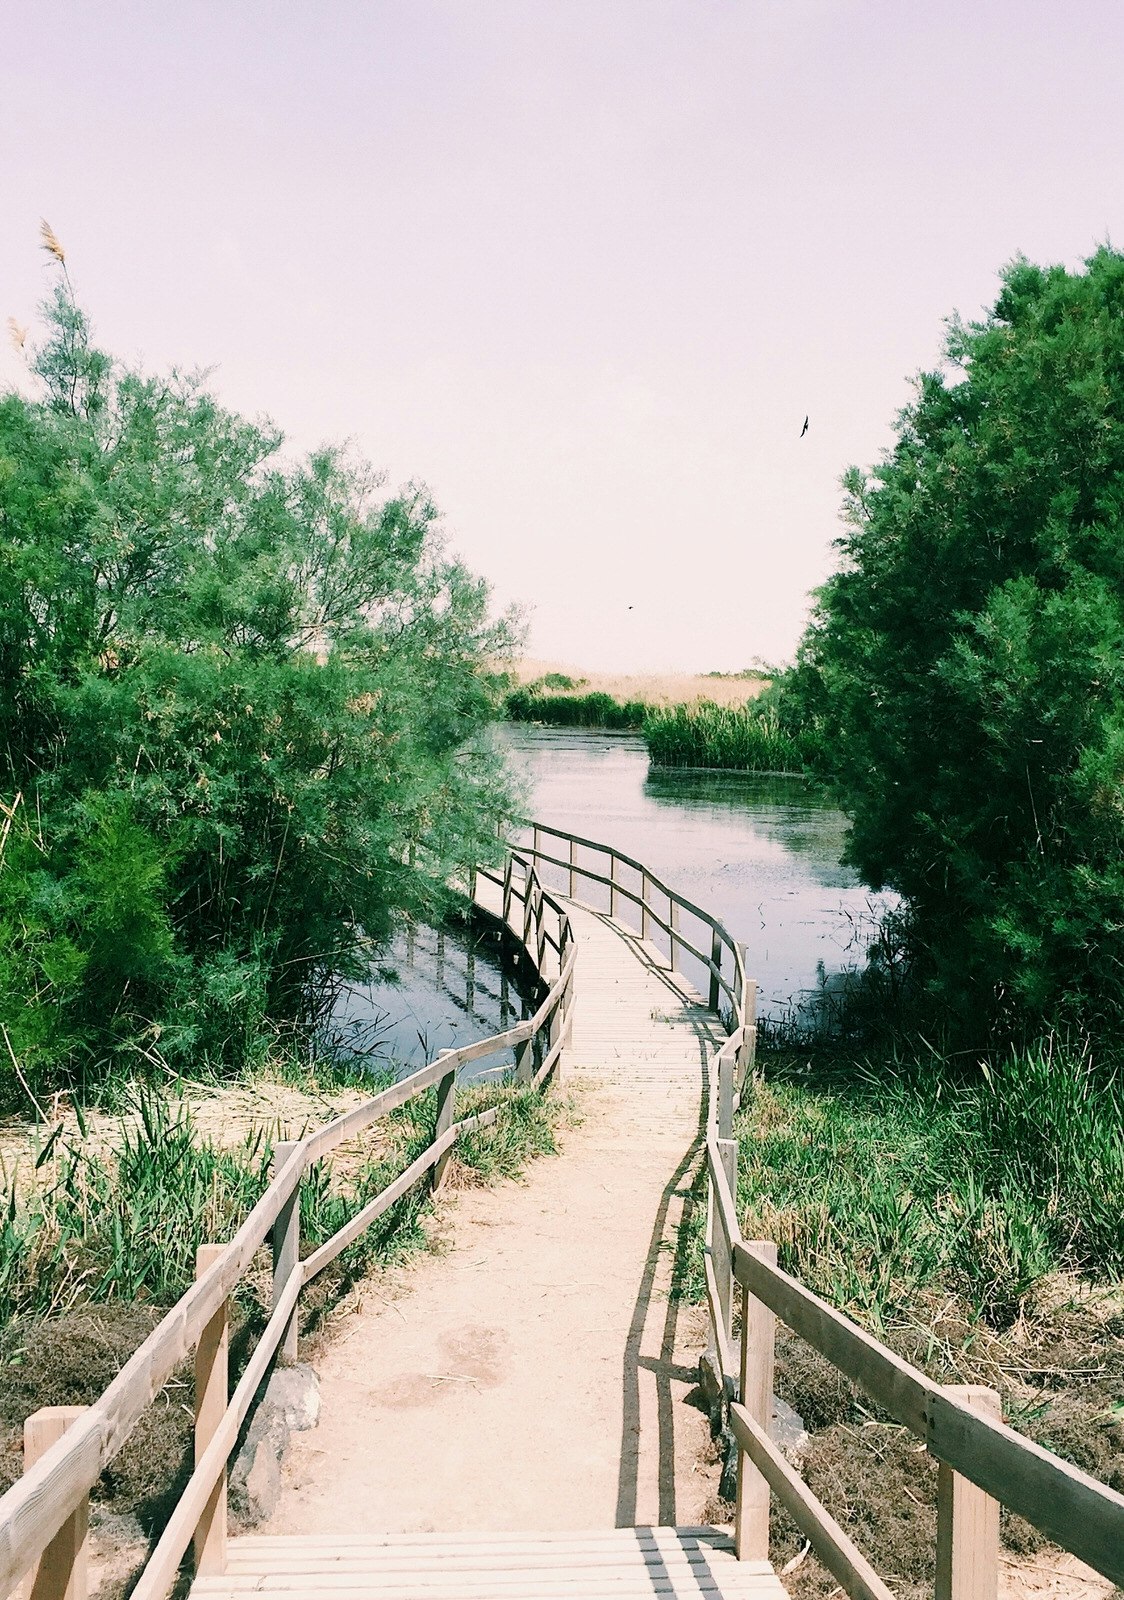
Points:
x=804 y=429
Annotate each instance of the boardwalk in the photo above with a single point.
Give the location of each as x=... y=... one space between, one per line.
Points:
x=546 y=1339
x=514 y=1424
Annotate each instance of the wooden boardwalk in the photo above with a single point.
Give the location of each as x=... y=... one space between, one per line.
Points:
x=621 y=1564
x=551 y=1464
x=604 y=1220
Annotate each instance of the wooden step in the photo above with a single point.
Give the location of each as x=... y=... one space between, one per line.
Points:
x=617 y=1564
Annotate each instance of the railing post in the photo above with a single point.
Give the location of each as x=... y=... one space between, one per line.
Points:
x=716 y=967
x=725 y=1094
x=748 y=1019
x=673 y=924
x=60 y=1573
x=644 y=918
x=722 y=1258
x=967 y=1520
x=612 y=886
x=573 y=866
x=756 y=1393
x=286 y=1246
x=525 y=1061
x=508 y=866
x=536 y=847
x=446 y=1097
x=211 y=1397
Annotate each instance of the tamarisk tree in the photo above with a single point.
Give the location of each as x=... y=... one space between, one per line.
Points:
x=966 y=663
x=242 y=714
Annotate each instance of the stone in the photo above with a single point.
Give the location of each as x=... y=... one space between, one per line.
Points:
x=289 y=1403
x=295 y=1393
x=789 y=1433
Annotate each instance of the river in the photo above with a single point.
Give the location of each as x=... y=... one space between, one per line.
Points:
x=764 y=854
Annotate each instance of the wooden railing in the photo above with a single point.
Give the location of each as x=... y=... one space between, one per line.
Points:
x=635 y=897
x=980 y=1462
x=43 y=1516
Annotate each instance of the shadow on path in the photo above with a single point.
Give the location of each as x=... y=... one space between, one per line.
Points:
x=662 y=1367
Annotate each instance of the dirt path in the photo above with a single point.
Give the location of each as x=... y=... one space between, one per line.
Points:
x=534 y=1376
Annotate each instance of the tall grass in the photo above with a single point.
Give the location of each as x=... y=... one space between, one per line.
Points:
x=594 y=710
x=748 y=738
x=124 y=1224
x=886 y=1188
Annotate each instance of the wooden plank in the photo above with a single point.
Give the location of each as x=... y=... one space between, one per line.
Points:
x=446 y=1102
x=575 y=1551
x=721 y=1338
x=211 y=1384
x=838 y=1553
x=61 y=1571
x=595 y=1586
x=967 y=1522
x=726 y=1213
x=248 y=1545
x=286 y=1245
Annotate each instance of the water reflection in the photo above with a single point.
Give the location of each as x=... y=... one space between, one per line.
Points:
x=764 y=854
x=432 y=989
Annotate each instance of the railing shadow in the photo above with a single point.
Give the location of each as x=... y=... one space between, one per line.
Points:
x=662 y=1367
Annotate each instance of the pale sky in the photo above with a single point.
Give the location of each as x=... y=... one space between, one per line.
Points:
x=581 y=266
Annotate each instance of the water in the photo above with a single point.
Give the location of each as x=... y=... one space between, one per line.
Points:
x=763 y=854
x=431 y=989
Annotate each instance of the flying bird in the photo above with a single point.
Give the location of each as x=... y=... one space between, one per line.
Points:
x=804 y=429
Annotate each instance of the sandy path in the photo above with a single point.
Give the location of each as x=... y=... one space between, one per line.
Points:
x=533 y=1376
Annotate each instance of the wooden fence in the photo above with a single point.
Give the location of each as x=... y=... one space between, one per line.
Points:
x=43 y=1516
x=981 y=1463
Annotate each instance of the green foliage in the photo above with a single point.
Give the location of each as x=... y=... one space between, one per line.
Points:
x=242 y=702
x=124 y=1223
x=595 y=710
x=966 y=664
x=886 y=1187
x=750 y=738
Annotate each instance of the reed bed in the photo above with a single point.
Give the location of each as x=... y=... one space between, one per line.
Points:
x=595 y=710
x=748 y=738
x=884 y=1186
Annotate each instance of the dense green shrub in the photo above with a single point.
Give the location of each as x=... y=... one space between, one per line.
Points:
x=241 y=701
x=966 y=664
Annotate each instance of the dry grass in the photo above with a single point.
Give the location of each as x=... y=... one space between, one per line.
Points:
x=653 y=688
x=222 y=1113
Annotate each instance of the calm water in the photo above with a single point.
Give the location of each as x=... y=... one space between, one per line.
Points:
x=433 y=989
x=762 y=854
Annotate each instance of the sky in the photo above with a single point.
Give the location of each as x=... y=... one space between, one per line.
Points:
x=580 y=266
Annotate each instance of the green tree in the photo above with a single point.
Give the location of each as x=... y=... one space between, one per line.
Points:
x=243 y=703
x=966 y=664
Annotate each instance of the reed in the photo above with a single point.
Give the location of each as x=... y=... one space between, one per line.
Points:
x=123 y=1224
x=751 y=738
x=899 y=1181
x=596 y=710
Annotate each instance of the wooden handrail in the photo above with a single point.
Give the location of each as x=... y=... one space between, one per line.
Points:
x=52 y=1491
x=973 y=1447
x=1079 y=1513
